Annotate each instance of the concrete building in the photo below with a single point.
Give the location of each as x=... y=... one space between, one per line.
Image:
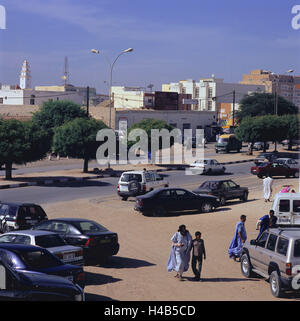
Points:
x=286 y=86
x=208 y=93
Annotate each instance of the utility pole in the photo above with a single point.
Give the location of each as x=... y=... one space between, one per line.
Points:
x=233 y=107
x=87 y=100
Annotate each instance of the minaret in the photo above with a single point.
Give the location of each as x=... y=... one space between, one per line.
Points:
x=25 y=77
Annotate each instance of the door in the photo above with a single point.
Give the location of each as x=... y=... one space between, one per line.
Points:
x=256 y=252
x=233 y=189
x=268 y=254
x=185 y=200
x=168 y=200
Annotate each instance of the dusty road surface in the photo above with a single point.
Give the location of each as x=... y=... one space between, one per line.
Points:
x=138 y=272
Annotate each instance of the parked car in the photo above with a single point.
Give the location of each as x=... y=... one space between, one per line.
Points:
x=224 y=190
x=227 y=143
x=207 y=166
x=273 y=256
x=20 y=216
x=30 y=258
x=274 y=169
x=290 y=162
x=294 y=142
x=53 y=242
x=260 y=145
x=17 y=285
x=97 y=242
x=164 y=200
x=133 y=183
x=271 y=156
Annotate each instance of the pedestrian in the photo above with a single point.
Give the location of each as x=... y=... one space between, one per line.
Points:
x=180 y=252
x=265 y=222
x=267 y=187
x=286 y=189
x=198 y=253
x=239 y=238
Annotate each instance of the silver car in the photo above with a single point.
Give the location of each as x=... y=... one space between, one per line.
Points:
x=276 y=257
x=51 y=241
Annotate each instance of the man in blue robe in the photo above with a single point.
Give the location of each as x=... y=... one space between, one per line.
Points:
x=180 y=252
x=239 y=238
x=265 y=222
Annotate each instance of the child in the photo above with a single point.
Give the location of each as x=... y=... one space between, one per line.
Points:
x=198 y=252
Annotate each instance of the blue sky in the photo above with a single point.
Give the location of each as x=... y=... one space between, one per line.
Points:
x=172 y=40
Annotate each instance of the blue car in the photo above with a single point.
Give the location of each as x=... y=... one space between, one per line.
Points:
x=34 y=259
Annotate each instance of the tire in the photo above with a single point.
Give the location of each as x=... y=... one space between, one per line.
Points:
x=275 y=285
x=158 y=211
x=244 y=198
x=134 y=187
x=166 y=185
x=238 y=150
x=124 y=198
x=217 y=151
x=209 y=171
x=246 y=267
x=222 y=200
x=206 y=207
x=260 y=176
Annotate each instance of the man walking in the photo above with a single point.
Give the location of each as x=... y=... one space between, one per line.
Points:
x=180 y=252
x=198 y=253
x=265 y=222
x=267 y=186
x=239 y=238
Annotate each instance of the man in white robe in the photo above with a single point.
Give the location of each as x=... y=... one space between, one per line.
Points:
x=267 y=185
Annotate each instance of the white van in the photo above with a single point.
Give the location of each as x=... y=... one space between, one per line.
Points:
x=133 y=183
x=286 y=207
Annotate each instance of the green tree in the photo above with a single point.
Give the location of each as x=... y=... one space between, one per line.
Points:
x=261 y=104
x=20 y=143
x=292 y=125
x=77 y=139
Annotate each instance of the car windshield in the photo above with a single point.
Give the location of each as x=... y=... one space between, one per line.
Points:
x=89 y=227
x=40 y=259
x=222 y=140
x=131 y=177
x=49 y=241
x=209 y=185
x=35 y=212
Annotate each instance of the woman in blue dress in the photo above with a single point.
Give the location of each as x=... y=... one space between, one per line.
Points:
x=180 y=252
x=239 y=238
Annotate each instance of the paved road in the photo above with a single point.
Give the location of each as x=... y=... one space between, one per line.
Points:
x=107 y=186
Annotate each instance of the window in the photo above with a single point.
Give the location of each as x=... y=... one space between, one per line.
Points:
x=297 y=248
x=1 y=100
x=131 y=177
x=39 y=259
x=181 y=193
x=48 y=226
x=231 y=184
x=22 y=239
x=7 y=238
x=3 y=209
x=296 y=206
x=272 y=242
x=282 y=246
x=60 y=227
x=51 y=240
x=284 y=206
x=262 y=240
x=88 y=227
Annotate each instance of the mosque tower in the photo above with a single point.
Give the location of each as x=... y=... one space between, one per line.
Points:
x=25 y=77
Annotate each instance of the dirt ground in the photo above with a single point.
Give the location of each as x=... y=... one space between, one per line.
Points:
x=138 y=272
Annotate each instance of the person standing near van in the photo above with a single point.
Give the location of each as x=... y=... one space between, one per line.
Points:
x=267 y=187
x=198 y=253
x=239 y=238
x=266 y=222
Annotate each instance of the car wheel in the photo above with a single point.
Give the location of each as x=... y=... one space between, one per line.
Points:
x=275 y=284
x=296 y=175
x=158 y=211
x=206 y=207
x=209 y=171
x=259 y=176
x=222 y=200
x=244 y=198
x=6 y=228
x=166 y=185
x=238 y=150
x=124 y=198
x=246 y=267
x=217 y=151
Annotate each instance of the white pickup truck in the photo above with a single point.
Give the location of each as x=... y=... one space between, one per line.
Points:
x=286 y=207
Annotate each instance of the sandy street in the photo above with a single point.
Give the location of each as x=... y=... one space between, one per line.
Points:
x=138 y=272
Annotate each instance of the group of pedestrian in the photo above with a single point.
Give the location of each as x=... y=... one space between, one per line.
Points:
x=183 y=248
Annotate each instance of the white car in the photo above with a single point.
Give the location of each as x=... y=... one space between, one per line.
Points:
x=133 y=183
x=207 y=166
x=290 y=162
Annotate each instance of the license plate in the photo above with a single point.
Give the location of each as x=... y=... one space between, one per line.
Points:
x=105 y=241
x=31 y=221
x=123 y=188
x=69 y=277
x=68 y=256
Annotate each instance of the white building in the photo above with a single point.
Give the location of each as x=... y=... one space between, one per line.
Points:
x=211 y=91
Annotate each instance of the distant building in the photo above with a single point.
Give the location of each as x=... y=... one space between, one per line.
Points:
x=286 y=86
x=208 y=93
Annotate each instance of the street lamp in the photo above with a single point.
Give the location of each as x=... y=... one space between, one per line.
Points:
x=111 y=65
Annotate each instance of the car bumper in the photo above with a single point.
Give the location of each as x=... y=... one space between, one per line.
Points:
x=98 y=252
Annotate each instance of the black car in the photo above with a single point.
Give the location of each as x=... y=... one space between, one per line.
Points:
x=224 y=190
x=97 y=242
x=18 y=285
x=163 y=200
x=20 y=216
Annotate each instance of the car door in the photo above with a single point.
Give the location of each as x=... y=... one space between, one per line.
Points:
x=256 y=251
x=269 y=252
x=184 y=200
x=233 y=189
x=167 y=199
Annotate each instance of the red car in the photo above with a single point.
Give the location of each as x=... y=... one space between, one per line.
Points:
x=274 y=169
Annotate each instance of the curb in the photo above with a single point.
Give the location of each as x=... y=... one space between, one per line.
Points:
x=112 y=174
